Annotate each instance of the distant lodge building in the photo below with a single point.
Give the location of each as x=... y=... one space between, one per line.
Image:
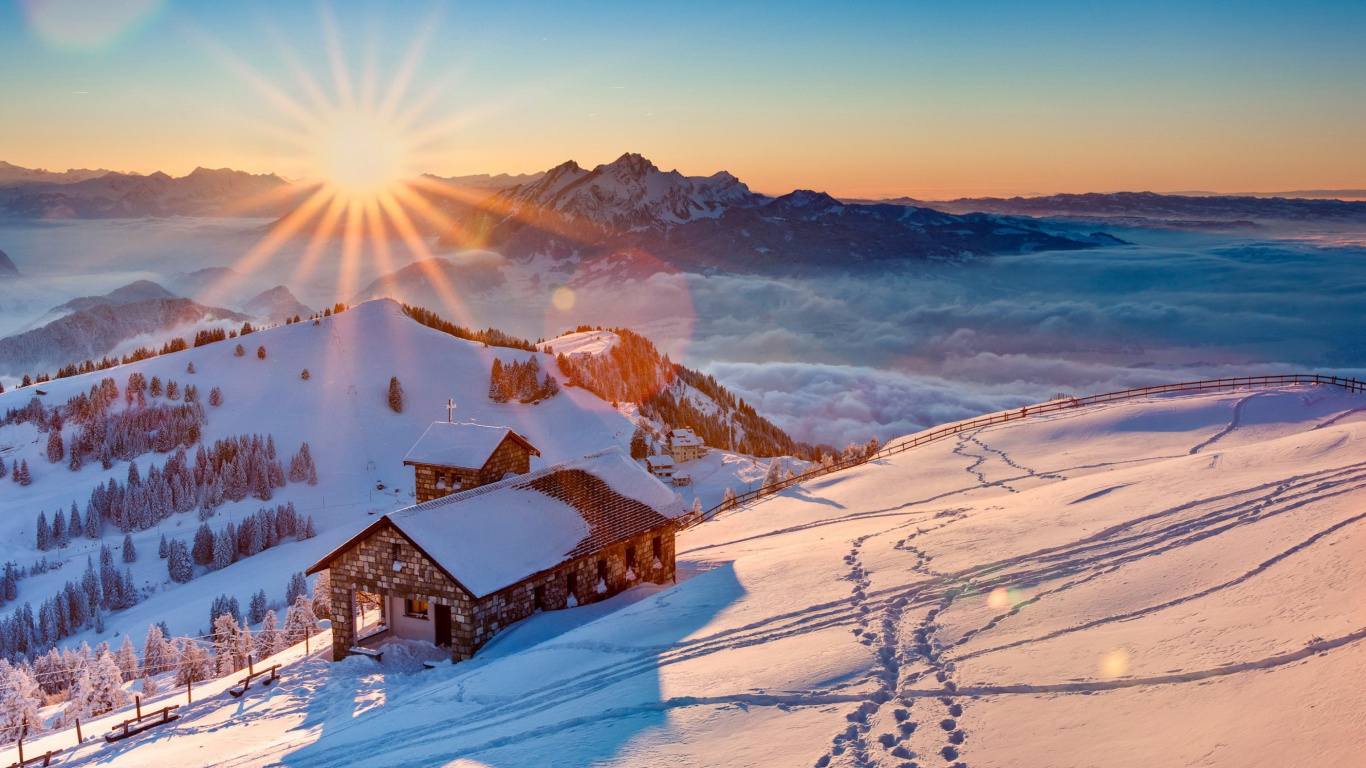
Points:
x=450 y=458
x=456 y=570
x=661 y=467
x=685 y=445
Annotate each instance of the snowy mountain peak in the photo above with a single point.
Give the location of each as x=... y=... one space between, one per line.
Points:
x=7 y=268
x=629 y=166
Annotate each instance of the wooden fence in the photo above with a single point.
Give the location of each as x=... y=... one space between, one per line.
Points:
x=1053 y=406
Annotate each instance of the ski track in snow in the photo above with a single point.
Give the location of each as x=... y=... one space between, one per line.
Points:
x=913 y=713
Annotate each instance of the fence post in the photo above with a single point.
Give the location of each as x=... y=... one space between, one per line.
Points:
x=137 y=701
x=189 y=682
x=78 y=732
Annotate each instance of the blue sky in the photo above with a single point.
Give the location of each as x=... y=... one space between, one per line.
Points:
x=876 y=98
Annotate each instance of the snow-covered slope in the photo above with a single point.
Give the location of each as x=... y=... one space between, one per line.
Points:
x=582 y=343
x=341 y=411
x=1168 y=581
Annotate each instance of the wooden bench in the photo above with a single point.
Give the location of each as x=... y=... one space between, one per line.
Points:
x=134 y=726
x=371 y=652
x=273 y=673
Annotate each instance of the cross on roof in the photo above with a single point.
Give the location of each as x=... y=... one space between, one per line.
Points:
x=450 y=410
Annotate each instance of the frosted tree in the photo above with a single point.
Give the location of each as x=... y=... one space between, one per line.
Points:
x=150 y=687
x=640 y=445
x=395 y=395
x=239 y=352
x=20 y=698
x=215 y=397
x=21 y=475
x=322 y=595
x=3 y=470
x=99 y=689
x=227 y=644
x=157 y=653
x=194 y=662
x=256 y=609
x=178 y=563
x=127 y=659
x=299 y=621
x=696 y=506
x=130 y=554
x=270 y=640
x=59 y=538
x=56 y=451
x=774 y=476
x=260 y=353
x=223 y=551
x=162 y=548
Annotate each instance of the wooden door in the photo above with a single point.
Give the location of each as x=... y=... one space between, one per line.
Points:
x=443 y=624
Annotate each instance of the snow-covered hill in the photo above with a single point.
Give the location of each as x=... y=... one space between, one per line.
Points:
x=1170 y=581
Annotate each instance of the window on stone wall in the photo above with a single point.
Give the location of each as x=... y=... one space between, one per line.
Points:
x=602 y=571
x=572 y=583
x=415 y=609
x=538 y=598
x=657 y=547
x=630 y=558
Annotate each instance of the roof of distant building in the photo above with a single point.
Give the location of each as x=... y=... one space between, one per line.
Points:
x=496 y=535
x=461 y=445
x=659 y=461
x=684 y=437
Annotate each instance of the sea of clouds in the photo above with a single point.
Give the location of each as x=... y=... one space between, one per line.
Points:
x=864 y=353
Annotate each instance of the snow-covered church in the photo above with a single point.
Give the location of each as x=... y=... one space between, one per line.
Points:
x=457 y=569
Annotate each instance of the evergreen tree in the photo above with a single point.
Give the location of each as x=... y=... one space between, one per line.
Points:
x=99 y=689
x=189 y=368
x=55 y=450
x=297 y=587
x=75 y=526
x=156 y=386
x=150 y=687
x=226 y=644
x=256 y=611
x=215 y=397
x=93 y=524
x=178 y=562
x=22 y=476
x=239 y=352
x=270 y=640
x=20 y=698
x=162 y=550
x=260 y=353
x=203 y=545
x=304 y=375
x=172 y=390
x=224 y=551
x=59 y=538
x=194 y=662
x=496 y=392
x=127 y=659
x=322 y=595
x=3 y=470
x=395 y=395
x=157 y=653
x=44 y=533
x=640 y=446
x=774 y=476
x=130 y=555
x=299 y=621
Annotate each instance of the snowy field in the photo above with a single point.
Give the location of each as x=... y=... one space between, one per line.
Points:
x=1169 y=581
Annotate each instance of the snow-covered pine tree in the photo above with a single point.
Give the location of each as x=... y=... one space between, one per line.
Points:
x=156 y=387
x=127 y=659
x=395 y=395
x=224 y=551
x=260 y=353
x=99 y=689
x=178 y=563
x=296 y=588
x=150 y=687
x=299 y=621
x=239 y=352
x=256 y=610
x=22 y=476
x=496 y=389
x=55 y=449
x=157 y=654
x=172 y=390
x=3 y=470
x=322 y=595
x=729 y=497
x=193 y=662
x=203 y=545
x=162 y=549
x=270 y=640
x=304 y=375
x=774 y=476
x=59 y=538
x=44 y=533
x=640 y=446
x=189 y=368
x=130 y=554
x=20 y=698
x=550 y=386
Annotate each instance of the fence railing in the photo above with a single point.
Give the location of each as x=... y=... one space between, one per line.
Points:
x=1053 y=406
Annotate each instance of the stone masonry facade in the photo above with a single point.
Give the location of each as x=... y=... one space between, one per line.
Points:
x=509 y=456
x=368 y=567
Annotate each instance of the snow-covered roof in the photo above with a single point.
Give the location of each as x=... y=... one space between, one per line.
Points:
x=660 y=461
x=461 y=445
x=681 y=437
x=496 y=535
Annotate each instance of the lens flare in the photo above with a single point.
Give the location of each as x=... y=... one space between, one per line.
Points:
x=1114 y=664
x=563 y=298
x=998 y=599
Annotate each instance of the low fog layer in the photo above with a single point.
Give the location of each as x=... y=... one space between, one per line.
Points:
x=838 y=358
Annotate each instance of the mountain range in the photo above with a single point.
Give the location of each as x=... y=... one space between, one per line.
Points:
x=1223 y=208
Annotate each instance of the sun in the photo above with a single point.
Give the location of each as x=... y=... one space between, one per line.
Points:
x=361 y=156
x=362 y=149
